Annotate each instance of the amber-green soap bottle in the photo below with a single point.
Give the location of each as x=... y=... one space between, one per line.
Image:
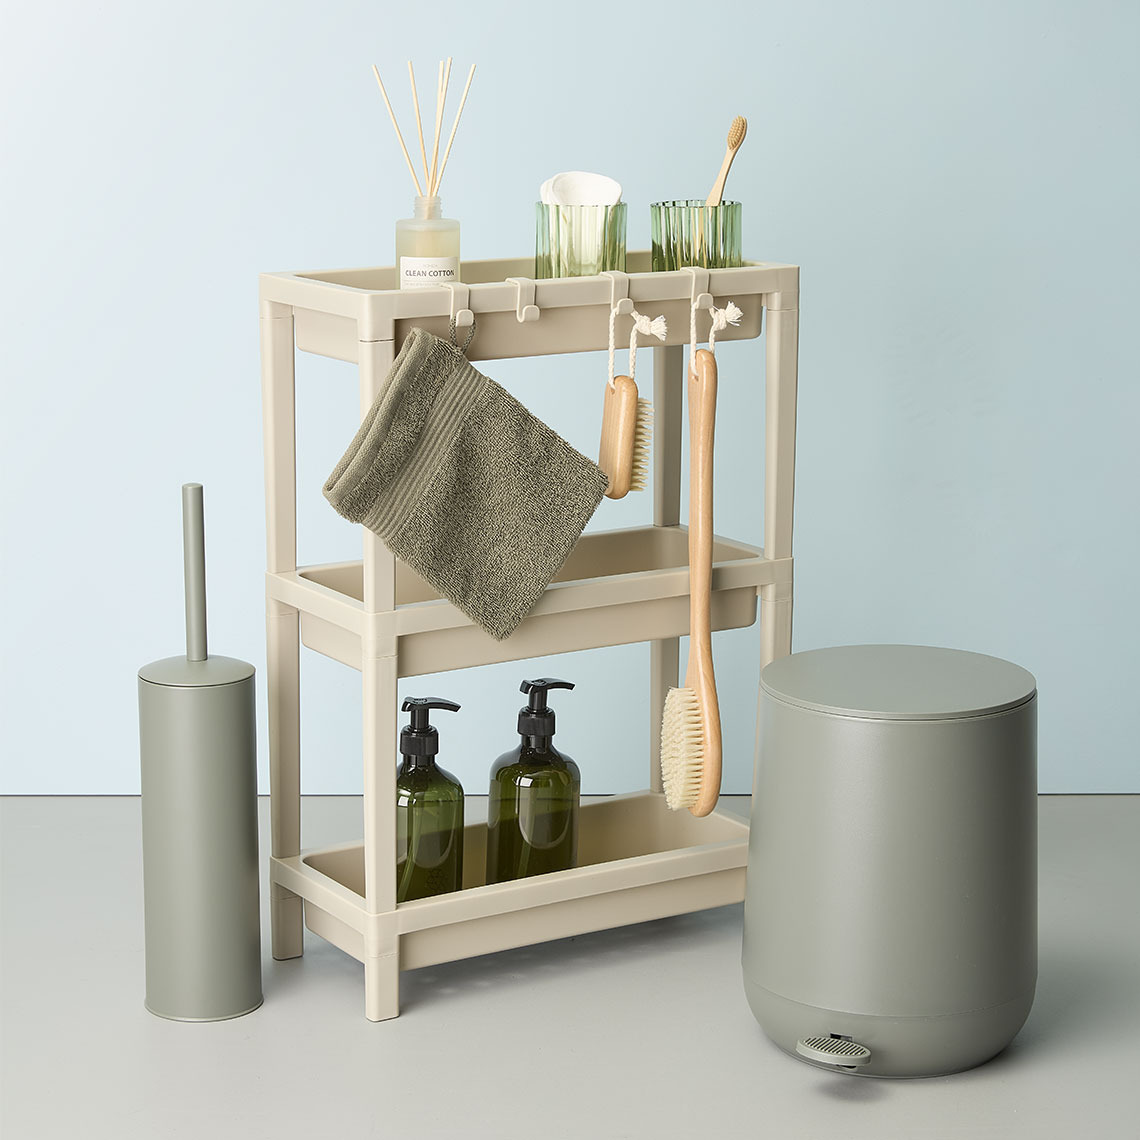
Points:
x=532 y=807
x=429 y=810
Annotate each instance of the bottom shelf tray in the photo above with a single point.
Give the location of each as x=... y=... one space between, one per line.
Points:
x=637 y=861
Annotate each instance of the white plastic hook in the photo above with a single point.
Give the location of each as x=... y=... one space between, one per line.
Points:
x=620 y=301
x=525 y=308
x=699 y=296
x=460 y=313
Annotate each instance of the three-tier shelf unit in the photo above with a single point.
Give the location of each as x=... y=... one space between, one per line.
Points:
x=637 y=859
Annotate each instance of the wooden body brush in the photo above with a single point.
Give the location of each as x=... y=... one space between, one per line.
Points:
x=690 y=725
x=627 y=421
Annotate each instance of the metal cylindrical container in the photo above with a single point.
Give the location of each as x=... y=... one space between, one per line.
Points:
x=891 y=909
x=198 y=749
x=198 y=745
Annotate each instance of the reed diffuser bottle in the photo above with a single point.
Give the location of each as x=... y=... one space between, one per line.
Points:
x=427 y=244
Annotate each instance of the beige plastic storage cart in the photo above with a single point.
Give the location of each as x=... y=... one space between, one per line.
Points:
x=638 y=860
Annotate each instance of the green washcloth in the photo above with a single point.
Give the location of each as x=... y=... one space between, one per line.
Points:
x=480 y=498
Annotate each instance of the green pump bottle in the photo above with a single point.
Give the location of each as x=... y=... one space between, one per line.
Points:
x=429 y=810
x=532 y=809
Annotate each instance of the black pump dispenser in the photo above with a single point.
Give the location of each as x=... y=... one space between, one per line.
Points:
x=429 y=809
x=532 y=802
x=536 y=721
x=419 y=740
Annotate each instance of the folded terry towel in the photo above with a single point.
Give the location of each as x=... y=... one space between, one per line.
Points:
x=480 y=498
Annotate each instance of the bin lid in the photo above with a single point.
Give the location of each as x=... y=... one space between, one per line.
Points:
x=898 y=682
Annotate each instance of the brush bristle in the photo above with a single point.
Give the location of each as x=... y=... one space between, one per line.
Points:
x=737 y=131
x=682 y=747
x=642 y=439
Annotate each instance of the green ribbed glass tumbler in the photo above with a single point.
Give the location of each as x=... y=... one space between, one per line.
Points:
x=687 y=232
x=578 y=241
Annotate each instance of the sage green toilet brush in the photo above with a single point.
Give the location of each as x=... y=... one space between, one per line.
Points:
x=198 y=767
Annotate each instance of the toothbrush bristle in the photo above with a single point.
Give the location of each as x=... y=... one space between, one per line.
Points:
x=737 y=131
x=682 y=748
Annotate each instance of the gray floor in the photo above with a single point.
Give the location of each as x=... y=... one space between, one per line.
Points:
x=636 y=1032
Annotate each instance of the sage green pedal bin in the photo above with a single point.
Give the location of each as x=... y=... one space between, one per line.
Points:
x=891 y=901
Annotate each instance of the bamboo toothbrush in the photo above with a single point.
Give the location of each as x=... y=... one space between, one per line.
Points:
x=690 y=724
x=736 y=134
x=627 y=422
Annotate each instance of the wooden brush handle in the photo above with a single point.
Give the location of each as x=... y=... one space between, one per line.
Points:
x=699 y=672
x=702 y=424
x=717 y=192
x=619 y=436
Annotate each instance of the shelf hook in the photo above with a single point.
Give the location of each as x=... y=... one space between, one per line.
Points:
x=699 y=295
x=460 y=312
x=525 y=308
x=620 y=301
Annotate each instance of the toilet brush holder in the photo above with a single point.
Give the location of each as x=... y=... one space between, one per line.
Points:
x=198 y=748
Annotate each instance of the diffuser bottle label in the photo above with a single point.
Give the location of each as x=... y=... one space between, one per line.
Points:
x=425 y=272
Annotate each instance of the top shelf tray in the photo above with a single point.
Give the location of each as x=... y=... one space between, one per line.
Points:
x=336 y=309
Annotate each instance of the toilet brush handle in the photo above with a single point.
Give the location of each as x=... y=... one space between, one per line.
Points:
x=194 y=561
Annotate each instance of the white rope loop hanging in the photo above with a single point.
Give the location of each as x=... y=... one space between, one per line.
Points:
x=655 y=327
x=641 y=324
x=731 y=314
x=721 y=319
x=613 y=322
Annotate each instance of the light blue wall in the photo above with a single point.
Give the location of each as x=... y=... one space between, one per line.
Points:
x=958 y=181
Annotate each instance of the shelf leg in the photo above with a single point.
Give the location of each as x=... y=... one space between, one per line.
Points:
x=380 y=679
x=283 y=671
x=375 y=359
x=282 y=632
x=381 y=726
x=781 y=366
x=775 y=642
x=278 y=411
x=664 y=654
x=775 y=622
x=780 y=467
x=782 y=342
x=382 y=977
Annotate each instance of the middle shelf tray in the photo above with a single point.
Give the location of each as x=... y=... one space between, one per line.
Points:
x=617 y=587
